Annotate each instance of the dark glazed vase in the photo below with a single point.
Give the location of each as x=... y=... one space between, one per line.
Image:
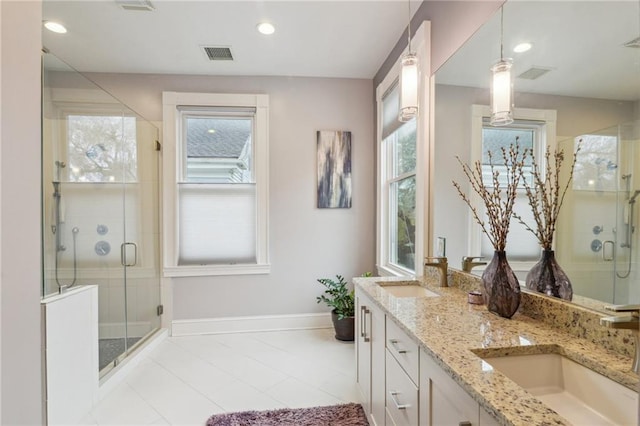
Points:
x=502 y=289
x=547 y=277
x=344 y=327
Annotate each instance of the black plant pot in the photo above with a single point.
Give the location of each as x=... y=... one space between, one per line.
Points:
x=502 y=289
x=344 y=327
x=547 y=277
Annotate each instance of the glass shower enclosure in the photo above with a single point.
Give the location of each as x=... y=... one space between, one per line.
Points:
x=598 y=243
x=100 y=168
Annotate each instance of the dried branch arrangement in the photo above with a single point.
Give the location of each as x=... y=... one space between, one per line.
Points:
x=544 y=195
x=498 y=202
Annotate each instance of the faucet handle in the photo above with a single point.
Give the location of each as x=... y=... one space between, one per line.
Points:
x=471 y=258
x=622 y=308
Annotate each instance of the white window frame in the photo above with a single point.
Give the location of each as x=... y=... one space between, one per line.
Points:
x=420 y=43
x=547 y=139
x=171 y=176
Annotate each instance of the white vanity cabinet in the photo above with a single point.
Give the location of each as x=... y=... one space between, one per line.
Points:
x=402 y=373
x=370 y=357
x=444 y=402
x=400 y=384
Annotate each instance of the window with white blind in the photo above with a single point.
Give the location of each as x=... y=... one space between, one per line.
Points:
x=533 y=130
x=398 y=176
x=403 y=178
x=219 y=191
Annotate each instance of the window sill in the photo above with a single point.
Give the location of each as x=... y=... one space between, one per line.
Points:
x=213 y=270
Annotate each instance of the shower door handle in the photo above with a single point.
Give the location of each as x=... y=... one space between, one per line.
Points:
x=611 y=250
x=123 y=254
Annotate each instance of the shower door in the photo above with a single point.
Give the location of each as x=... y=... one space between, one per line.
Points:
x=597 y=234
x=100 y=207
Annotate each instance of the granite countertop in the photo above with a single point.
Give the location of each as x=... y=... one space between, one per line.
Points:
x=454 y=332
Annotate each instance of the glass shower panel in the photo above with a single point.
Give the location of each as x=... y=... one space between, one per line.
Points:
x=587 y=230
x=597 y=238
x=100 y=206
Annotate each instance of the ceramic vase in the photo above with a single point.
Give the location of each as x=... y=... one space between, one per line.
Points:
x=547 y=277
x=502 y=289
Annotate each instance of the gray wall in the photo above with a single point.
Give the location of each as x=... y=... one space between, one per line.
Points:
x=453 y=136
x=305 y=242
x=20 y=328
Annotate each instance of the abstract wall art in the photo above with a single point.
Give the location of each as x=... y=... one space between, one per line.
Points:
x=334 y=169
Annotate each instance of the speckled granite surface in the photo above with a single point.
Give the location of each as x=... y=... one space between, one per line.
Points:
x=454 y=333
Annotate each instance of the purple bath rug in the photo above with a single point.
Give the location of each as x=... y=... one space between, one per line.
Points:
x=333 y=415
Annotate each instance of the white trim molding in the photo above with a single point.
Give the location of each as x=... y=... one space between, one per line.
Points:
x=200 y=326
x=172 y=169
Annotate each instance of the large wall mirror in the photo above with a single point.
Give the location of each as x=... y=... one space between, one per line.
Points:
x=579 y=81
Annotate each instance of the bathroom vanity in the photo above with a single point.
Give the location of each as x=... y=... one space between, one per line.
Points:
x=425 y=355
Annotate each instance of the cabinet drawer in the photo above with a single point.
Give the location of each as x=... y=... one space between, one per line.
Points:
x=403 y=349
x=402 y=394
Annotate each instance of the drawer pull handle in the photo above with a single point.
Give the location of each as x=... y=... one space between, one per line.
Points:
x=465 y=424
x=394 y=343
x=396 y=402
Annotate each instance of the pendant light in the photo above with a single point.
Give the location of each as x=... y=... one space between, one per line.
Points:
x=408 y=80
x=501 y=86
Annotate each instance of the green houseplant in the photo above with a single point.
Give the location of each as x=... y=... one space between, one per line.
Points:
x=341 y=299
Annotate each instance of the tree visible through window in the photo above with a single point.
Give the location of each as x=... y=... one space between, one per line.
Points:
x=101 y=148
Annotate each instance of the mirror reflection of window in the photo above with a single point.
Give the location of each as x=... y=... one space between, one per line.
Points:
x=596 y=163
x=528 y=135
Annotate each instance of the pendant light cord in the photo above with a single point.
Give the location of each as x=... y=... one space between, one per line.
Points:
x=501 y=31
x=409 y=28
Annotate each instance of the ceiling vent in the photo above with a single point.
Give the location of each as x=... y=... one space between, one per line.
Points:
x=633 y=43
x=533 y=73
x=218 y=53
x=140 y=5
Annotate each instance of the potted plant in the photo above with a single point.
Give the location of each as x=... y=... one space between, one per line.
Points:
x=341 y=299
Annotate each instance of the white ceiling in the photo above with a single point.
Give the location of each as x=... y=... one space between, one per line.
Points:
x=580 y=41
x=319 y=38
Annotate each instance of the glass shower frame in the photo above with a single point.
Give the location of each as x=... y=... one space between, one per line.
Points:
x=598 y=242
x=100 y=200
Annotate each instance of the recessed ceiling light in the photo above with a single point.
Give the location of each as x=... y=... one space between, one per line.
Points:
x=522 y=47
x=55 y=27
x=266 y=28
x=211 y=131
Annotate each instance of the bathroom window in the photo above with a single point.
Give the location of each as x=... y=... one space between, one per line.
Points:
x=101 y=147
x=533 y=130
x=219 y=190
x=403 y=159
x=399 y=176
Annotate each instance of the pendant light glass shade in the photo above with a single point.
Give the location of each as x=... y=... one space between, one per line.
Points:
x=501 y=93
x=408 y=88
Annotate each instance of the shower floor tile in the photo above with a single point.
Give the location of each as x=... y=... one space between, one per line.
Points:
x=110 y=349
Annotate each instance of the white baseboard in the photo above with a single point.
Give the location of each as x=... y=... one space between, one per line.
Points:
x=250 y=324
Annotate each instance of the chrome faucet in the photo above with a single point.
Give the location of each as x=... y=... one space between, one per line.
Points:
x=627 y=322
x=468 y=263
x=440 y=263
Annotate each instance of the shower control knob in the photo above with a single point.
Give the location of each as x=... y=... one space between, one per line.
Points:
x=597 y=229
x=102 y=248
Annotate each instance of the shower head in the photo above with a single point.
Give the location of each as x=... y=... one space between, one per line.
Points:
x=632 y=199
x=60 y=164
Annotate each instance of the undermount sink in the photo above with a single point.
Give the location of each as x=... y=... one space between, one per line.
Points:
x=579 y=394
x=406 y=289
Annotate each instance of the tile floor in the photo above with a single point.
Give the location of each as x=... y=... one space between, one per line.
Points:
x=186 y=379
